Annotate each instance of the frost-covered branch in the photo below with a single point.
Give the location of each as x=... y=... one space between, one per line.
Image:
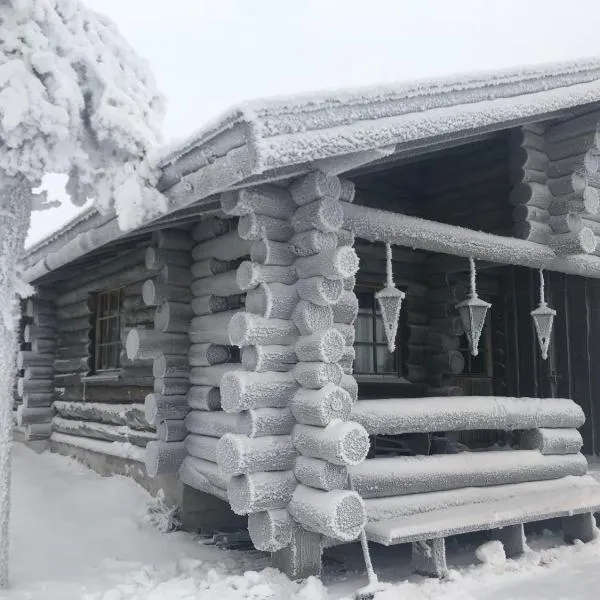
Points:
x=76 y=99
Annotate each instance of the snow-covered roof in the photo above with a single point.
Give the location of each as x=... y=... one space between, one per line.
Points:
x=283 y=137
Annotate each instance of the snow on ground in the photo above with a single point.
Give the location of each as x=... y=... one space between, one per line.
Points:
x=77 y=535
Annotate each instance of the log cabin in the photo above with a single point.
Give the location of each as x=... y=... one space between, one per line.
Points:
x=233 y=353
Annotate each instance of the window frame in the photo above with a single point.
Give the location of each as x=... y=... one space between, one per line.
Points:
x=106 y=331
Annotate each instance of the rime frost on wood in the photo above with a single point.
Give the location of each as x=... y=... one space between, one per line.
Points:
x=269 y=252
x=271 y=530
x=412 y=475
x=326 y=345
x=413 y=415
x=272 y=301
x=158 y=408
x=320 y=290
x=396 y=507
x=247 y=329
x=312 y=242
x=239 y=454
x=552 y=441
x=268 y=358
x=320 y=474
x=315 y=375
x=261 y=422
x=202 y=446
x=257 y=492
x=246 y=390
x=340 y=442
x=322 y=406
x=213 y=424
x=339 y=514
x=162 y=457
x=202 y=397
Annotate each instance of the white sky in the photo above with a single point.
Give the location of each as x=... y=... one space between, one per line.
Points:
x=210 y=54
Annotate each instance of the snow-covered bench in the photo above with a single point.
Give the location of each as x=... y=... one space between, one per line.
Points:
x=424 y=499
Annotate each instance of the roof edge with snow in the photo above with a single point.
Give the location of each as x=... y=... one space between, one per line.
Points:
x=288 y=134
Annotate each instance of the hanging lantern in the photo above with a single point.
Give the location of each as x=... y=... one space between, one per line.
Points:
x=472 y=313
x=543 y=319
x=390 y=301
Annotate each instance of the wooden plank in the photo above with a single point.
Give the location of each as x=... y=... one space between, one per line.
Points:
x=490 y=515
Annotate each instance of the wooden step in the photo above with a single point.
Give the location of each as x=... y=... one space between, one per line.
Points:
x=526 y=508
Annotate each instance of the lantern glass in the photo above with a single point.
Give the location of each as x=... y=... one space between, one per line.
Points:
x=390 y=303
x=543 y=318
x=472 y=313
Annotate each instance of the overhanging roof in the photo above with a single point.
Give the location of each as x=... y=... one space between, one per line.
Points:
x=279 y=138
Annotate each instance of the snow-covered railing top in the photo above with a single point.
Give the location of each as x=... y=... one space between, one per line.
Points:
x=284 y=137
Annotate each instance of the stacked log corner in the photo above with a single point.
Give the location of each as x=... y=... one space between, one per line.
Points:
x=35 y=364
x=164 y=344
x=293 y=396
x=556 y=174
x=216 y=298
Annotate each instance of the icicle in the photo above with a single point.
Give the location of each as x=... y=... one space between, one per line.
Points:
x=390 y=301
x=543 y=319
x=370 y=591
x=472 y=312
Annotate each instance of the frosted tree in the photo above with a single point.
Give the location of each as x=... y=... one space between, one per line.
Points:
x=74 y=99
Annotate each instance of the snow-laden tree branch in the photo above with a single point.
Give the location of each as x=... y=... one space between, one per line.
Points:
x=74 y=99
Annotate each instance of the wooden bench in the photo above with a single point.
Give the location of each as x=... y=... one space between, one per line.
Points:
x=504 y=517
x=424 y=499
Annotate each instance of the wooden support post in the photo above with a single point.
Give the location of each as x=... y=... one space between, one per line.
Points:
x=429 y=557
x=302 y=558
x=512 y=538
x=579 y=527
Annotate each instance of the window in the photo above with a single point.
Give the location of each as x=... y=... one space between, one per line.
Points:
x=372 y=354
x=107 y=331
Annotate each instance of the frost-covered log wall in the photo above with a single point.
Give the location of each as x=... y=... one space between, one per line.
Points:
x=93 y=409
x=557 y=189
x=196 y=421
x=35 y=362
x=163 y=344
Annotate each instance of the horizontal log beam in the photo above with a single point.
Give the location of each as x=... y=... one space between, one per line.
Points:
x=466 y=413
x=381 y=477
x=403 y=230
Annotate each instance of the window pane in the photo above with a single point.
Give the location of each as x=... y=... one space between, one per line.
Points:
x=380 y=331
x=386 y=361
x=364 y=359
x=116 y=302
x=365 y=299
x=364 y=328
x=113 y=357
x=113 y=330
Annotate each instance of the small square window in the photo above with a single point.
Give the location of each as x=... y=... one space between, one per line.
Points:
x=107 y=330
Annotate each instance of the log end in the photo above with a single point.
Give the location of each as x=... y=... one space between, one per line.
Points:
x=149 y=293
x=132 y=344
x=271 y=530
